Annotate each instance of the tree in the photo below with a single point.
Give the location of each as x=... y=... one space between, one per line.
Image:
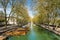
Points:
x=4 y=4
x=2 y=19
x=17 y=8
x=20 y=13
x=48 y=9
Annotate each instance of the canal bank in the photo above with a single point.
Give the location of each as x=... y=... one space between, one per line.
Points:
x=36 y=33
x=50 y=28
x=13 y=31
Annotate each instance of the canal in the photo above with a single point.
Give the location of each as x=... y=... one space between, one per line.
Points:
x=36 y=33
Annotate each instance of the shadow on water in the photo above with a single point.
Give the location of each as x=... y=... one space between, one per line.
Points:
x=36 y=33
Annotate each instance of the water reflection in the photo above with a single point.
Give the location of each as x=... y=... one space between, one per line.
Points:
x=36 y=33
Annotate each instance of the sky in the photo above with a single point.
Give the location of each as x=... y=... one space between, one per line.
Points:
x=28 y=4
x=30 y=12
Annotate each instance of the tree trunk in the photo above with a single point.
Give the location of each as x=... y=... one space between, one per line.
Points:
x=5 y=18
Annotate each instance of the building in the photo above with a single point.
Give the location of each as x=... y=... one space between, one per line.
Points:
x=12 y=20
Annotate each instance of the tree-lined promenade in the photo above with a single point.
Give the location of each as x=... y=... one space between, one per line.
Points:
x=15 y=14
x=15 y=18
x=48 y=14
x=18 y=13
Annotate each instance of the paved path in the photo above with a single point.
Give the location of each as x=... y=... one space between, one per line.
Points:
x=50 y=28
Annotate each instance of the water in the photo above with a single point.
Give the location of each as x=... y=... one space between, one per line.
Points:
x=36 y=33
